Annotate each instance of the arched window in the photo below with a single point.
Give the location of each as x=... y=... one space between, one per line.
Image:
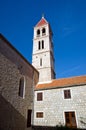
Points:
x=42 y=44
x=21 y=87
x=40 y=61
x=38 y=32
x=39 y=45
x=43 y=31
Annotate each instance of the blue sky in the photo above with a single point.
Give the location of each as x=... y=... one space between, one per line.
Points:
x=68 y=22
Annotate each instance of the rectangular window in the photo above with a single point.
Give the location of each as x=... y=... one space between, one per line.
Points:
x=39 y=45
x=67 y=94
x=42 y=44
x=39 y=114
x=41 y=62
x=70 y=119
x=29 y=118
x=39 y=96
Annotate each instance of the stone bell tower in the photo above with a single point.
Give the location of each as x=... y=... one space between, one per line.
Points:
x=43 y=58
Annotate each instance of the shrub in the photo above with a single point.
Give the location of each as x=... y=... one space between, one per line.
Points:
x=63 y=128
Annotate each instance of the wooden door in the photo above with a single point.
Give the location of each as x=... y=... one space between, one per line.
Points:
x=70 y=119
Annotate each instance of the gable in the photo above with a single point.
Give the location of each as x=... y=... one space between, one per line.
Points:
x=42 y=22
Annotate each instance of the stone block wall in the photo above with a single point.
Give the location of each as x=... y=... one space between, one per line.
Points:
x=54 y=105
x=13 y=108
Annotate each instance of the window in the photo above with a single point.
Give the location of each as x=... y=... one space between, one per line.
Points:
x=70 y=119
x=67 y=94
x=38 y=32
x=42 y=44
x=39 y=114
x=41 y=62
x=43 y=31
x=29 y=118
x=39 y=45
x=21 y=87
x=39 y=96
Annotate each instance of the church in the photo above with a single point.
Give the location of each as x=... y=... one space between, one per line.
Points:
x=34 y=96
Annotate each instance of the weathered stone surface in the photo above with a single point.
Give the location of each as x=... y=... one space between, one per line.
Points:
x=54 y=105
x=13 y=108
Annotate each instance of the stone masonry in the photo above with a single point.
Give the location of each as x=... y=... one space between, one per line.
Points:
x=54 y=105
x=13 y=108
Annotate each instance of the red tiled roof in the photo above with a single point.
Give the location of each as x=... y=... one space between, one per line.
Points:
x=62 y=83
x=41 y=22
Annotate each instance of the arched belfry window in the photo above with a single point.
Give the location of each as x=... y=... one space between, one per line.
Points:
x=42 y=44
x=38 y=32
x=22 y=87
x=43 y=31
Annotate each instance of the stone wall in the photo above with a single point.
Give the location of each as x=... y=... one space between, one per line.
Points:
x=13 y=108
x=54 y=105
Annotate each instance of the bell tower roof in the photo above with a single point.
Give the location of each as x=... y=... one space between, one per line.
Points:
x=41 y=22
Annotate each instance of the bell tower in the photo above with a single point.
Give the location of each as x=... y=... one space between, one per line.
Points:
x=43 y=58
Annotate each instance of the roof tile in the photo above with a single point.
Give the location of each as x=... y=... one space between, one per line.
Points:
x=62 y=82
x=41 y=22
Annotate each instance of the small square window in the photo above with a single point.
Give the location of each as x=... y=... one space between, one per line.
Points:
x=39 y=96
x=67 y=94
x=39 y=114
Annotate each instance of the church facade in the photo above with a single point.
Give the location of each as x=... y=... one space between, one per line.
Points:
x=56 y=101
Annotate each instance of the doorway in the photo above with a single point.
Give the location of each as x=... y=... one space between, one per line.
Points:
x=29 y=118
x=70 y=119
